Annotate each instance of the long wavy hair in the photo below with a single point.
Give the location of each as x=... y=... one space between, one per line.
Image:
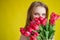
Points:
x=29 y=13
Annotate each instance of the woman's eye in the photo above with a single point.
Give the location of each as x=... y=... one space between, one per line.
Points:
x=36 y=14
x=43 y=14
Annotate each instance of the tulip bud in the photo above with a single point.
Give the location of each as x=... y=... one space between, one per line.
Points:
x=54 y=16
x=22 y=30
x=44 y=21
x=52 y=22
x=33 y=38
x=29 y=29
x=38 y=22
x=35 y=27
x=41 y=18
x=27 y=33
x=36 y=34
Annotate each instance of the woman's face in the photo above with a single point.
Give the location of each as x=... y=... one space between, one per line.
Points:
x=38 y=11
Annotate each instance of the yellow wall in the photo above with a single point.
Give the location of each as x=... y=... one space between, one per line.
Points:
x=13 y=16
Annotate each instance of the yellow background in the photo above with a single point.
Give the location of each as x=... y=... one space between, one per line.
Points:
x=13 y=16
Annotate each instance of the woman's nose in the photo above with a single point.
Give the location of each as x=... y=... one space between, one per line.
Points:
x=40 y=15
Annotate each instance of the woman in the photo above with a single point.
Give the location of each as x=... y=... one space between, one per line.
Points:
x=36 y=9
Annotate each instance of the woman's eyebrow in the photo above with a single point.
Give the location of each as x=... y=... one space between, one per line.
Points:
x=36 y=13
x=43 y=13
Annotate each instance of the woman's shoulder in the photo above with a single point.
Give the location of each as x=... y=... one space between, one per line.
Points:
x=22 y=37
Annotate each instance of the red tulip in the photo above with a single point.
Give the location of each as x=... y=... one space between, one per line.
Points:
x=36 y=33
x=32 y=22
x=37 y=21
x=52 y=22
x=54 y=16
x=41 y=18
x=27 y=33
x=29 y=29
x=33 y=38
x=35 y=27
x=22 y=30
x=44 y=21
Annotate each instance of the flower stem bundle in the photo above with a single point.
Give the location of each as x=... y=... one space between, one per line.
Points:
x=40 y=28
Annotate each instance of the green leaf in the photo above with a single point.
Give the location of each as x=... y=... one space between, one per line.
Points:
x=41 y=28
x=47 y=34
x=47 y=26
x=39 y=31
x=51 y=34
x=39 y=38
x=51 y=28
x=42 y=35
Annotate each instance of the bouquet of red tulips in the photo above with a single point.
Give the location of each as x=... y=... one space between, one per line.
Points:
x=40 y=28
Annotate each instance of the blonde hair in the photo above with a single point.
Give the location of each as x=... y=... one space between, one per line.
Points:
x=29 y=13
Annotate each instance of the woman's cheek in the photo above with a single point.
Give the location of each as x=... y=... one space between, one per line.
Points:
x=43 y=16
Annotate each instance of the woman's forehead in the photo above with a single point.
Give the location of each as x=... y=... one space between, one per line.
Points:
x=39 y=9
